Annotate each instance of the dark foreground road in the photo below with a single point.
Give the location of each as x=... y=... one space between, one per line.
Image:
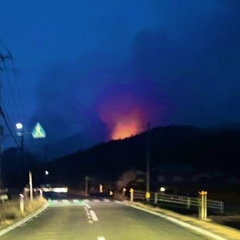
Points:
x=93 y=219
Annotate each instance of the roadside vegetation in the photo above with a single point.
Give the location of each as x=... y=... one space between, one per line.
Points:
x=10 y=210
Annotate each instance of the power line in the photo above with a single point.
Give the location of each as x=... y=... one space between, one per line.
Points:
x=11 y=89
x=9 y=82
x=18 y=87
x=3 y=58
x=8 y=127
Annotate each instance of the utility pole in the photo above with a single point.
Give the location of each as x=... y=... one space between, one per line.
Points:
x=1 y=152
x=1 y=126
x=2 y=60
x=22 y=142
x=86 y=184
x=148 y=164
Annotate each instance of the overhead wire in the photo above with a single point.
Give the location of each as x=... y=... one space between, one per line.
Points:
x=8 y=127
x=3 y=112
x=18 y=87
x=10 y=57
x=9 y=82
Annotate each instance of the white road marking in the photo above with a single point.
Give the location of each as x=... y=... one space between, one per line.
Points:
x=75 y=201
x=96 y=200
x=88 y=215
x=65 y=201
x=178 y=222
x=106 y=200
x=24 y=220
x=87 y=205
x=93 y=215
x=86 y=200
x=22 y=225
x=54 y=201
x=101 y=238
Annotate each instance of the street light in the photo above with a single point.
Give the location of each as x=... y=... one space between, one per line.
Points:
x=19 y=132
x=19 y=127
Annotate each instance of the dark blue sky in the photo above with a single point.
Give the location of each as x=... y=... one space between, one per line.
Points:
x=102 y=67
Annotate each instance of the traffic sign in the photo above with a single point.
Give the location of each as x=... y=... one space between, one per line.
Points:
x=38 y=131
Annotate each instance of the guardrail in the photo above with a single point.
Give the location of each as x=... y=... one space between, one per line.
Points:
x=202 y=203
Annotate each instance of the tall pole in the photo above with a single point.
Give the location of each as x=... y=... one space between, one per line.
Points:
x=86 y=184
x=20 y=133
x=3 y=57
x=1 y=133
x=30 y=186
x=1 y=137
x=22 y=142
x=1 y=153
x=21 y=158
x=148 y=163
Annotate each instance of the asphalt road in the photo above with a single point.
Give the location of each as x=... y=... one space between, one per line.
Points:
x=96 y=219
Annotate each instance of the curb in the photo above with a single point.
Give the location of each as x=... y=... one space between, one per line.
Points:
x=27 y=218
x=178 y=222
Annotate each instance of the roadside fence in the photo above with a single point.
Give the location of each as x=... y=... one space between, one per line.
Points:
x=201 y=203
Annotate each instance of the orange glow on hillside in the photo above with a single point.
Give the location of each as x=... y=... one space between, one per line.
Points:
x=126 y=113
x=126 y=126
x=124 y=131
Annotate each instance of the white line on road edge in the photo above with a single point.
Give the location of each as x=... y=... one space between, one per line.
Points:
x=183 y=224
x=93 y=215
x=101 y=238
x=17 y=224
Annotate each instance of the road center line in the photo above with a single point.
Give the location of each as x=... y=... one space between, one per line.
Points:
x=101 y=238
x=87 y=205
x=93 y=215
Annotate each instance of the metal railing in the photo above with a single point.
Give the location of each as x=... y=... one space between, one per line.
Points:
x=185 y=201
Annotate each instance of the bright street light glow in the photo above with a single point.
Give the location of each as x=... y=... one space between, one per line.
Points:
x=46 y=172
x=19 y=126
x=162 y=189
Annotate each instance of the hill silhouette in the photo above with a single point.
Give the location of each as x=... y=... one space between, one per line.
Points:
x=208 y=150
x=173 y=149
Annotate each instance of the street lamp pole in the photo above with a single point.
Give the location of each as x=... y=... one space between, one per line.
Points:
x=86 y=184
x=19 y=127
x=148 y=162
x=22 y=142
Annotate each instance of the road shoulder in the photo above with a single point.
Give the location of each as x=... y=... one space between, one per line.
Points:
x=23 y=220
x=207 y=228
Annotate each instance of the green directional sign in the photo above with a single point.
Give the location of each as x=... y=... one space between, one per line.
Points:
x=38 y=131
